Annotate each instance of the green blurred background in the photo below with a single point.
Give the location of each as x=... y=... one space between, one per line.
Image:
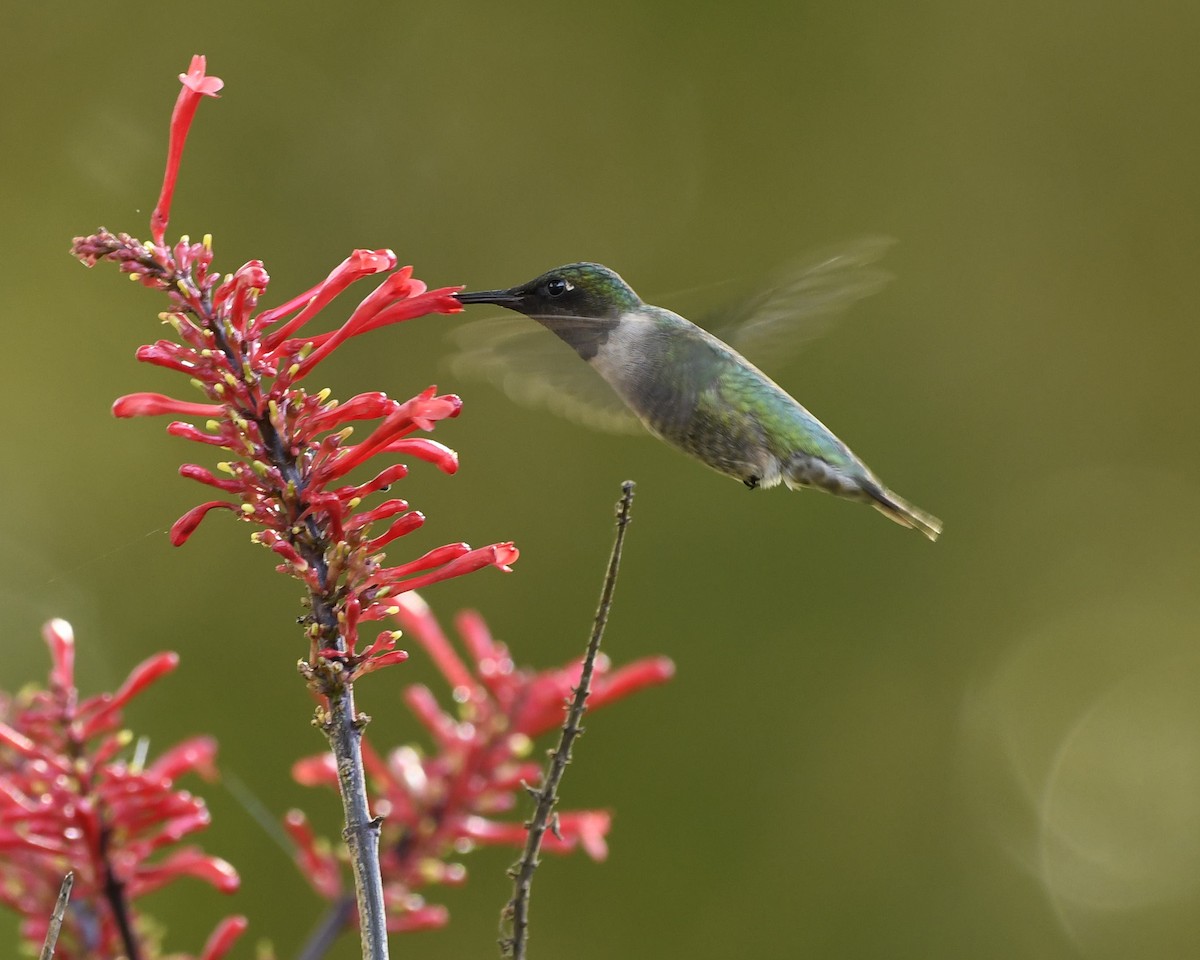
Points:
x=875 y=746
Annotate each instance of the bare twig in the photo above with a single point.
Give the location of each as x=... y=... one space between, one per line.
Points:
x=118 y=902
x=344 y=729
x=56 y=917
x=334 y=920
x=515 y=917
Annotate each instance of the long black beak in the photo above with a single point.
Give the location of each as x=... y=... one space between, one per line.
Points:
x=504 y=298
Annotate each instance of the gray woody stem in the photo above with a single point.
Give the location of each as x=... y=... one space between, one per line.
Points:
x=56 y=917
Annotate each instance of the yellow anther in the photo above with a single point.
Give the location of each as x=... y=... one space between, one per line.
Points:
x=520 y=745
x=431 y=870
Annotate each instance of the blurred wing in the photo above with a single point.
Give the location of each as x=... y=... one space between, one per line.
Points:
x=804 y=300
x=536 y=369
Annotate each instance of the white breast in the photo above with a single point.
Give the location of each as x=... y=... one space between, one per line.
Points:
x=630 y=353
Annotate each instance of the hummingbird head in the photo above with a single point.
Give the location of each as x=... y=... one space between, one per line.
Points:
x=578 y=291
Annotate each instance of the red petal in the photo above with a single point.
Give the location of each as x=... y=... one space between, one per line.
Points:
x=196 y=81
x=19 y=742
x=431 y=916
x=498 y=555
x=630 y=678
x=140 y=677
x=194 y=471
x=195 y=85
x=196 y=755
x=588 y=828
x=60 y=638
x=434 y=558
x=154 y=404
x=190 y=862
x=320 y=770
x=317 y=863
x=399 y=528
x=428 y=450
x=186 y=525
x=359 y=264
x=223 y=937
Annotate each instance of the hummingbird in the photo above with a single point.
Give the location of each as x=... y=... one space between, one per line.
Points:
x=695 y=392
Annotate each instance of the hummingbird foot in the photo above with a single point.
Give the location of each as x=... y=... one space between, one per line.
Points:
x=751 y=482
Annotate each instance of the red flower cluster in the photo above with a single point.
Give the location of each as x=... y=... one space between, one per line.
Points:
x=442 y=804
x=65 y=798
x=290 y=450
x=70 y=799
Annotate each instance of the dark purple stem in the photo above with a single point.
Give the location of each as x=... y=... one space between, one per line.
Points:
x=336 y=918
x=114 y=893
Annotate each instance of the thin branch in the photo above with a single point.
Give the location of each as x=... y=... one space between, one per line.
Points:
x=56 y=917
x=338 y=915
x=344 y=729
x=114 y=893
x=514 y=924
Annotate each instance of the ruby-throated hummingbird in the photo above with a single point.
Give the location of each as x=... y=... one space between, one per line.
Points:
x=696 y=392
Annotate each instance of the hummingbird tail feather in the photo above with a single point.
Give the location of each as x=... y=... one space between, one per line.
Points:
x=904 y=513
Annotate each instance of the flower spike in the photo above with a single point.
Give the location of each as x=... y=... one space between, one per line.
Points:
x=70 y=796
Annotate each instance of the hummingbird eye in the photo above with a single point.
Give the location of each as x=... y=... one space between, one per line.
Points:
x=557 y=287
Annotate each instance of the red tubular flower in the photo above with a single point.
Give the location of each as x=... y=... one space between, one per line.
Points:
x=288 y=454
x=152 y=404
x=438 y=805
x=223 y=938
x=70 y=799
x=195 y=86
